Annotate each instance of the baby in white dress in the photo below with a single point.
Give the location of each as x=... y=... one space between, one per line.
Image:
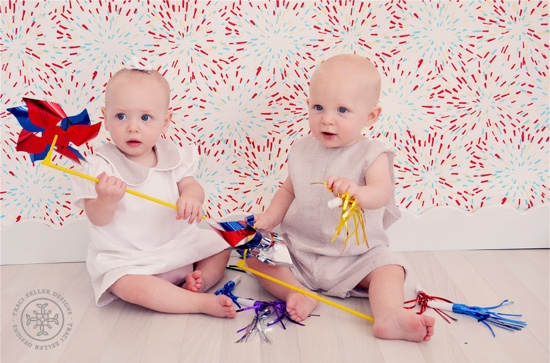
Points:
x=141 y=251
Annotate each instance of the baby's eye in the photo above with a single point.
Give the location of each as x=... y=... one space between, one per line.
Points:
x=318 y=107
x=120 y=116
x=342 y=109
x=145 y=117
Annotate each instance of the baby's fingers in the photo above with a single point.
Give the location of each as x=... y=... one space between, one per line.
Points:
x=259 y=221
x=195 y=214
x=189 y=210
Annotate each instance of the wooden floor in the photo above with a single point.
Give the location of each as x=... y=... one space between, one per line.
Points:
x=121 y=332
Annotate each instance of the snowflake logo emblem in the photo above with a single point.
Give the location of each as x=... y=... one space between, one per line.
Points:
x=42 y=319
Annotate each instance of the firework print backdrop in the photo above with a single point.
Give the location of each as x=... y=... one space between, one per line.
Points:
x=465 y=92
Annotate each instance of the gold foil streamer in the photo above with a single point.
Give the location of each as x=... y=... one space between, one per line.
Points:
x=350 y=209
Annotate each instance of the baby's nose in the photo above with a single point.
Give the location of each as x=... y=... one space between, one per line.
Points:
x=327 y=119
x=133 y=126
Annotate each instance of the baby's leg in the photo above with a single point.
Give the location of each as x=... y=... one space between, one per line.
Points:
x=158 y=294
x=391 y=320
x=298 y=306
x=211 y=270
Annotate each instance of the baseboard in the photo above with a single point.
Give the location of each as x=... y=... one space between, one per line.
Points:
x=448 y=228
x=35 y=242
x=439 y=228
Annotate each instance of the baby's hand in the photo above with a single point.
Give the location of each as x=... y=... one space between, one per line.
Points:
x=264 y=221
x=110 y=188
x=189 y=208
x=339 y=186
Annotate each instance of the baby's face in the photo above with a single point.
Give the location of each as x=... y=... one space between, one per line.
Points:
x=340 y=106
x=136 y=114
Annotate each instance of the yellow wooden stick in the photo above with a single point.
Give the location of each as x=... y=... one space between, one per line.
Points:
x=242 y=265
x=48 y=162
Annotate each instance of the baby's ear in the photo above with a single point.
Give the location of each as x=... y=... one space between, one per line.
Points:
x=167 y=121
x=373 y=115
x=104 y=112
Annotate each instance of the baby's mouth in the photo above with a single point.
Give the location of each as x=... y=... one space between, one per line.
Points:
x=133 y=142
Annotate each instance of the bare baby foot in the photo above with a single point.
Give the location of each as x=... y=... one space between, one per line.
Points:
x=404 y=325
x=193 y=281
x=218 y=305
x=299 y=306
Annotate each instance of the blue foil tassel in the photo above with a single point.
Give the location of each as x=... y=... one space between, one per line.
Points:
x=487 y=317
x=227 y=290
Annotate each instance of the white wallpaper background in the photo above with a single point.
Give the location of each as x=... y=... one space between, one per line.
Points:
x=465 y=92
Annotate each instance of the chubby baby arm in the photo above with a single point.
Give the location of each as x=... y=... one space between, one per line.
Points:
x=110 y=190
x=190 y=200
x=276 y=211
x=378 y=186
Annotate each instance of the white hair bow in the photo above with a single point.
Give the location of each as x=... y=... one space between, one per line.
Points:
x=134 y=64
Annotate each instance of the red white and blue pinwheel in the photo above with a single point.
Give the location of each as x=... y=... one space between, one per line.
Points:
x=42 y=120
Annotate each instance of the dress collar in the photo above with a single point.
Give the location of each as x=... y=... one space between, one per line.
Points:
x=168 y=158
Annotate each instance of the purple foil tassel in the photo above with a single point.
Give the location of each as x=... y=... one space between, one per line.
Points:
x=263 y=311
